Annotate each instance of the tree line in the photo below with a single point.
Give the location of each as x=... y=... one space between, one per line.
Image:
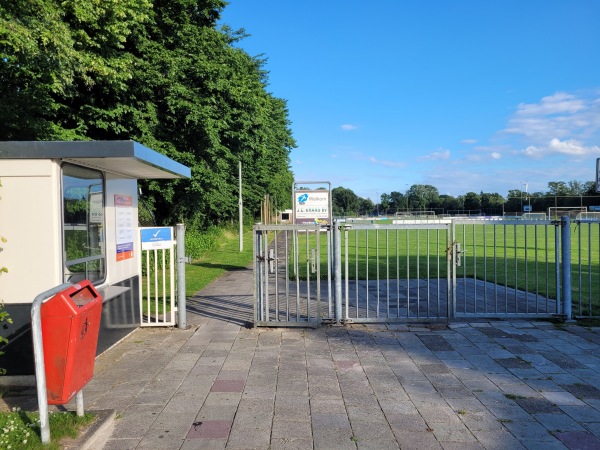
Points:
x=424 y=197
x=161 y=72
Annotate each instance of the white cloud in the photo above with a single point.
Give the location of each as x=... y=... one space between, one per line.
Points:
x=496 y=155
x=559 y=103
x=469 y=141
x=359 y=156
x=560 y=116
x=570 y=147
x=441 y=154
x=348 y=127
x=385 y=163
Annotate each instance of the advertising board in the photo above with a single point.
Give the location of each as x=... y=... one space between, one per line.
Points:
x=312 y=207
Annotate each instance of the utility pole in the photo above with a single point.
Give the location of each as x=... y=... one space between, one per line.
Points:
x=241 y=207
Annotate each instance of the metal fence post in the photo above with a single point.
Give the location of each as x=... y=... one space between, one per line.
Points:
x=181 y=300
x=565 y=223
x=337 y=260
x=258 y=305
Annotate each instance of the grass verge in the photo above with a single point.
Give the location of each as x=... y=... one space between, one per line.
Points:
x=21 y=430
x=219 y=258
x=213 y=263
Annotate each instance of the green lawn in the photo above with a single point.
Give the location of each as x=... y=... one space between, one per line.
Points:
x=201 y=272
x=214 y=263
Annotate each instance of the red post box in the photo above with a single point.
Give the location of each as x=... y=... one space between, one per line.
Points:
x=70 y=327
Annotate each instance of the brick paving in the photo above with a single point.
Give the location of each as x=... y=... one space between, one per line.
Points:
x=467 y=385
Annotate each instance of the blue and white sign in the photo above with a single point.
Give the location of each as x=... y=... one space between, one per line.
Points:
x=156 y=237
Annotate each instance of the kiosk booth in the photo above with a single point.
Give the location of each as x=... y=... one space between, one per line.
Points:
x=69 y=212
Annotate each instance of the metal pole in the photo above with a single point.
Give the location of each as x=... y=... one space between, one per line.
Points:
x=256 y=266
x=241 y=208
x=38 y=354
x=565 y=223
x=337 y=258
x=557 y=268
x=79 y=399
x=181 y=300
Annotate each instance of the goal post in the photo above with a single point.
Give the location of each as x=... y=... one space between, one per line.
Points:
x=556 y=212
x=593 y=216
x=415 y=215
x=533 y=216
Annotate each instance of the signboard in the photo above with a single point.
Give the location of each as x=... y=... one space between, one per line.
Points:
x=527 y=208
x=96 y=207
x=126 y=222
x=156 y=237
x=312 y=207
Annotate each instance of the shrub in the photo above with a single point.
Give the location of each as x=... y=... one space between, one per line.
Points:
x=198 y=242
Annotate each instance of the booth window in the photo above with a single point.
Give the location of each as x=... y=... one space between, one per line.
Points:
x=83 y=224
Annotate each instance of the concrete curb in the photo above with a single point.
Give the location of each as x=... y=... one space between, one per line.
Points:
x=95 y=435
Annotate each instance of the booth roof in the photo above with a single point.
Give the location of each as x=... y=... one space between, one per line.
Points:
x=127 y=159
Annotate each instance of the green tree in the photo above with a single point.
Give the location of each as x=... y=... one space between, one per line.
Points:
x=422 y=196
x=491 y=203
x=345 y=201
x=558 y=188
x=366 y=206
x=385 y=201
x=449 y=203
x=397 y=201
x=472 y=201
x=159 y=72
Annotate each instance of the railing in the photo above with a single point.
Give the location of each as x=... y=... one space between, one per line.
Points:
x=429 y=270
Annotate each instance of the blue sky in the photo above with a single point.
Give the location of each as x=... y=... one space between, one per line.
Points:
x=464 y=95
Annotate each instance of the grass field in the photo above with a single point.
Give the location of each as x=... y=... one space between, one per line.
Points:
x=516 y=256
x=214 y=263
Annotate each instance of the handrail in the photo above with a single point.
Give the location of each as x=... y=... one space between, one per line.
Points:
x=38 y=353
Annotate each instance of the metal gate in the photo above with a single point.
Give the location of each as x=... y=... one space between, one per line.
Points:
x=397 y=272
x=426 y=270
x=506 y=268
x=157 y=285
x=292 y=275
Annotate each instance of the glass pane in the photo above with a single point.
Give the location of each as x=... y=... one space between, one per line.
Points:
x=83 y=224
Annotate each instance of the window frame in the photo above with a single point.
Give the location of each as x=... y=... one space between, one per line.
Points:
x=100 y=234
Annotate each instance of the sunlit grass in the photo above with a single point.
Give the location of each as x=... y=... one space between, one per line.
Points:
x=214 y=263
x=202 y=271
x=21 y=430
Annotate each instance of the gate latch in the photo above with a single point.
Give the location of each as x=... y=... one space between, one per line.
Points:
x=271 y=261
x=457 y=254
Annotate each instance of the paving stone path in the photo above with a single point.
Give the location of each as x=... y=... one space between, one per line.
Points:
x=467 y=385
